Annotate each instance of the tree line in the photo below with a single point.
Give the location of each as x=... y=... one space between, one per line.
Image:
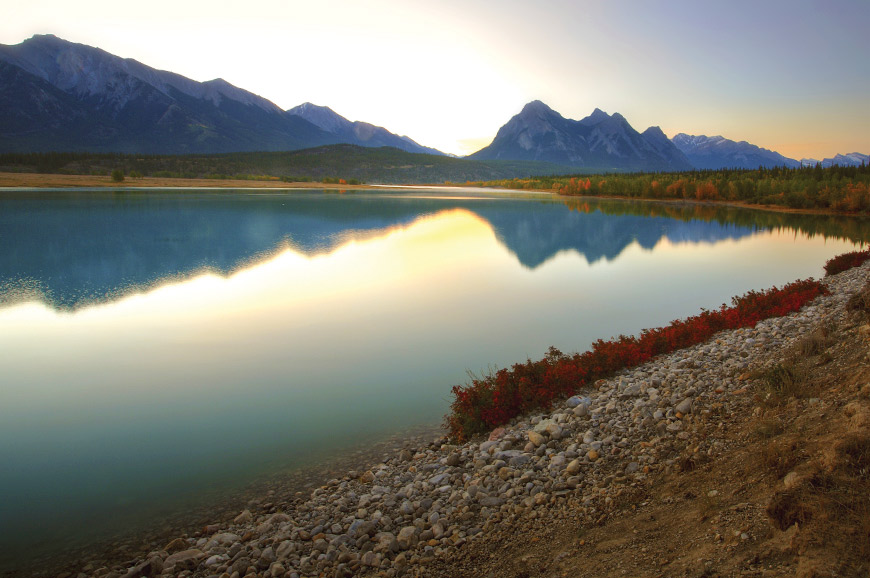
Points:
x=836 y=188
x=332 y=162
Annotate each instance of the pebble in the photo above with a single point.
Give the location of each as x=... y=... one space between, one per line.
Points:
x=536 y=438
x=684 y=406
x=243 y=518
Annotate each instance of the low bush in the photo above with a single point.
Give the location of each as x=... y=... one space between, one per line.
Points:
x=491 y=400
x=845 y=261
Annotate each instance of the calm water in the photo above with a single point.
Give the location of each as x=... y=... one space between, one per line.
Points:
x=156 y=345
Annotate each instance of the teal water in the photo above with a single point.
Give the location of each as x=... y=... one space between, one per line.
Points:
x=157 y=344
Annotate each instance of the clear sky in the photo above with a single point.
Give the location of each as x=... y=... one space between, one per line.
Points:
x=789 y=75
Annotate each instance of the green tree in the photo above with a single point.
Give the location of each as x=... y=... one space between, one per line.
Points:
x=118 y=176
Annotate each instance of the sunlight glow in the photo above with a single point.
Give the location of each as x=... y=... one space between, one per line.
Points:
x=448 y=73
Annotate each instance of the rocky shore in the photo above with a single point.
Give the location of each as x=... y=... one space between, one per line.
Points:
x=420 y=510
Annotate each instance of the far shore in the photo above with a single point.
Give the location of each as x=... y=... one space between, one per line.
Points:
x=52 y=181
x=55 y=181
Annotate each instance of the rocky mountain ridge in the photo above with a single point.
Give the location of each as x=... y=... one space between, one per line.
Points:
x=598 y=142
x=847 y=160
x=357 y=132
x=59 y=95
x=716 y=152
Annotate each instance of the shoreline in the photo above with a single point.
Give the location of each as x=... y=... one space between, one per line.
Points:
x=285 y=485
x=10 y=182
x=425 y=509
x=708 y=203
x=40 y=180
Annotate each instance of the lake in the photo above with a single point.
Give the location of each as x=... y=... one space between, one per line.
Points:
x=159 y=349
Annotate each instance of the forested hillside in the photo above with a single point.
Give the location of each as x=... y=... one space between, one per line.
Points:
x=348 y=162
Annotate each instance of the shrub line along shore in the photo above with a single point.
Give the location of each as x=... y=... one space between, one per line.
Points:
x=436 y=509
x=12 y=181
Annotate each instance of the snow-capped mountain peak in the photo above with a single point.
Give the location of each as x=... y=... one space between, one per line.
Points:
x=716 y=152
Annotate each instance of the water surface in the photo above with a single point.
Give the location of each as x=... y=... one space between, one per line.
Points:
x=158 y=344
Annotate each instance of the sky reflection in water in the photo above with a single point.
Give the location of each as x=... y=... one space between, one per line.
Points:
x=354 y=326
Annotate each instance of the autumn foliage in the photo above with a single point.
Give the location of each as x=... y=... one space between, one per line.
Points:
x=832 y=189
x=845 y=261
x=494 y=399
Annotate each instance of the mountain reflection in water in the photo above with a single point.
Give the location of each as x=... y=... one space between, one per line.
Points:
x=72 y=250
x=158 y=347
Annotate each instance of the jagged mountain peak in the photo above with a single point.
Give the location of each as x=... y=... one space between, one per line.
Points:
x=654 y=131
x=89 y=71
x=536 y=107
x=536 y=112
x=718 y=152
x=362 y=133
x=322 y=117
x=44 y=39
x=218 y=88
x=844 y=160
x=63 y=95
x=600 y=141
x=697 y=139
x=308 y=106
x=598 y=116
x=219 y=83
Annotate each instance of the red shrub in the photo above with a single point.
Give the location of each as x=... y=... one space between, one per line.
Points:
x=494 y=399
x=845 y=261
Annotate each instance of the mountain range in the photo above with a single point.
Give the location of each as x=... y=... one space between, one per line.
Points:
x=849 y=160
x=600 y=142
x=714 y=152
x=361 y=133
x=57 y=95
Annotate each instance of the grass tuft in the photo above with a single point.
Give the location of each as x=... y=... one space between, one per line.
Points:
x=816 y=342
x=782 y=381
x=781 y=457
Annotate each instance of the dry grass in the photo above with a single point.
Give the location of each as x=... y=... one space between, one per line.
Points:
x=831 y=501
x=781 y=456
x=853 y=453
x=782 y=381
x=860 y=301
x=767 y=428
x=816 y=342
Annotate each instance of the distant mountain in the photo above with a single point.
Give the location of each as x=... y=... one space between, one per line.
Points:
x=716 y=152
x=597 y=142
x=361 y=133
x=849 y=160
x=58 y=95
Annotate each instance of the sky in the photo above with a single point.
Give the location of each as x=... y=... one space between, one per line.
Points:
x=788 y=75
